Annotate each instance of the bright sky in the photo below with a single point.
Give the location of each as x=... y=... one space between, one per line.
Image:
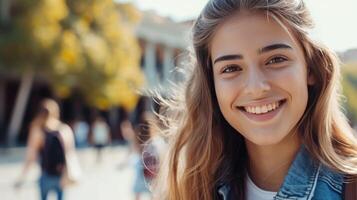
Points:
x=336 y=21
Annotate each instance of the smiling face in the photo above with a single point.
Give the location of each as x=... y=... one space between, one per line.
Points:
x=260 y=77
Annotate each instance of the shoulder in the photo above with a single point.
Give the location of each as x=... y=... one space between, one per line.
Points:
x=66 y=133
x=64 y=128
x=329 y=184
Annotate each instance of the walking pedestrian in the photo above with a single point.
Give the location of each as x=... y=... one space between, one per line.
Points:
x=81 y=131
x=101 y=136
x=141 y=155
x=52 y=142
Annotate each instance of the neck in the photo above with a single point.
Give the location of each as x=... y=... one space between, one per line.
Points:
x=268 y=165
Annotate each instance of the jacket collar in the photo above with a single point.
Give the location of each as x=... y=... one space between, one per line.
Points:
x=299 y=183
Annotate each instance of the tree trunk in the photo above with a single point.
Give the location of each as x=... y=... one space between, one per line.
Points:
x=113 y=121
x=19 y=108
x=2 y=106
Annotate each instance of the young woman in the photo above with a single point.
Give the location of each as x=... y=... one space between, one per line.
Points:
x=259 y=116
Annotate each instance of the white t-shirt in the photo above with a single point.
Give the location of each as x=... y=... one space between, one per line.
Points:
x=253 y=192
x=100 y=133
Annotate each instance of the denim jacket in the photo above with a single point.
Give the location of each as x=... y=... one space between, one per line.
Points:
x=305 y=180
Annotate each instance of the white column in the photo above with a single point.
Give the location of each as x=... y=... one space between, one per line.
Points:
x=168 y=65
x=113 y=120
x=150 y=62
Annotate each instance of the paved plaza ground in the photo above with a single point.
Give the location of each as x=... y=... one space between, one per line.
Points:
x=104 y=180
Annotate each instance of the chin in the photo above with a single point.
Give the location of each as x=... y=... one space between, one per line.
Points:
x=264 y=140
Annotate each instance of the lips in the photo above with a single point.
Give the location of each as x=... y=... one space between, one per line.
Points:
x=262 y=112
x=262 y=108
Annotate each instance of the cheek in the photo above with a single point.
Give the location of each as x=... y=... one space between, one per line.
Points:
x=226 y=92
x=293 y=79
x=294 y=82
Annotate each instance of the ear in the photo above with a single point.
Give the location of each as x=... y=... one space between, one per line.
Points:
x=310 y=77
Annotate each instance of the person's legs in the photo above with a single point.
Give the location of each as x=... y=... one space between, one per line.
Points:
x=99 y=148
x=99 y=154
x=44 y=189
x=48 y=183
x=59 y=192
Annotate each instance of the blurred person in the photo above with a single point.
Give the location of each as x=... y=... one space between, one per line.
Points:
x=81 y=131
x=100 y=136
x=140 y=155
x=52 y=142
x=259 y=117
x=154 y=147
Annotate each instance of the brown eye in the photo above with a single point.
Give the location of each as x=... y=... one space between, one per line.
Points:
x=231 y=68
x=275 y=60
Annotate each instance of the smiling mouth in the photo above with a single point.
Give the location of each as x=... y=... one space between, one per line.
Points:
x=262 y=109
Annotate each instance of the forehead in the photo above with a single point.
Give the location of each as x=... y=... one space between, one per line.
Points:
x=249 y=31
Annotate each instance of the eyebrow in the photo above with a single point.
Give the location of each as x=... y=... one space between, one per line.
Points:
x=260 y=51
x=274 y=47
x=228 y=57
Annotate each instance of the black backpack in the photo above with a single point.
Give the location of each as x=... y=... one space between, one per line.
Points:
x=52 y=154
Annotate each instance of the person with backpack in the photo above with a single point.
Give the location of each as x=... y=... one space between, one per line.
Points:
x=52 y=143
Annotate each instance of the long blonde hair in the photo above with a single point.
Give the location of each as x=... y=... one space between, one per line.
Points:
x=205 y=150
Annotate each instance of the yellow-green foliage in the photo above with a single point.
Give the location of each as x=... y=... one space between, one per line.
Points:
x=86 y=44
x=349 y=84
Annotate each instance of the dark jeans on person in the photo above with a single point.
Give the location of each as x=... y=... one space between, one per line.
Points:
x=49 y=183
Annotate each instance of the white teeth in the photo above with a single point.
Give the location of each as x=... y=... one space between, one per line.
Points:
x=262 y=109
x=258 y=110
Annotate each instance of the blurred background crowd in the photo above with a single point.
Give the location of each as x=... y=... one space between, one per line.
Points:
x=95 y=59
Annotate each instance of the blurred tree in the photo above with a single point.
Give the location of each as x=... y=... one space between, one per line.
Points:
x=349 y=84
x=88 y=45
x=99 y=54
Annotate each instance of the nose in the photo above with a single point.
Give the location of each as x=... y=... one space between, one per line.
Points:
x=257 y=83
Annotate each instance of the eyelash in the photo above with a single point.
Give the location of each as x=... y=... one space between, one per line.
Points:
x=234 y=67
x=279 y=58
